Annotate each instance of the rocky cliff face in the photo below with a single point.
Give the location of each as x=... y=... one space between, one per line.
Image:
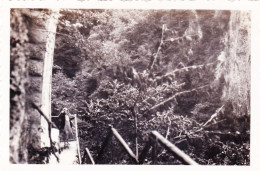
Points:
x=28 y=45
x=18 y=84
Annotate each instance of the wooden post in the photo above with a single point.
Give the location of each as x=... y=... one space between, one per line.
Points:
x=77 y=137
x=47 y=76
x=145 y=151
x=104 y=145
x=155 y=145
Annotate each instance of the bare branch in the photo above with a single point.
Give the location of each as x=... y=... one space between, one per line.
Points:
x=159 y=48
x=214 y=115
x=178 y=38
x=50 y=123
x=214 y=123
x=181 y=137
x=186 y=69
x=157 y=93
x=45 y=117
x=221 y=133
x=177 y=94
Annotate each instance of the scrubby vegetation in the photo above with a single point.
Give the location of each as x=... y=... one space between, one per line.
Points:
x=183 y=73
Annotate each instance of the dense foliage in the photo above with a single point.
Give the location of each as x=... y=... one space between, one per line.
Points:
x=144 y=70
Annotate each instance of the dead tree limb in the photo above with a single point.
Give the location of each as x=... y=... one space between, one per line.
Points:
x=214 y=115
x=221 y=133
x=42 y=114
x=184 y=136
x=159 y=48
x=50 y=123
x=177 y=94
x=205 y=125
x=187 y=68
x=208 y=121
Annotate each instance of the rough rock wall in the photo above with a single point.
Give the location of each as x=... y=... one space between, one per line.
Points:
x=35 y=71
x=28 y=43
x=237 y=63
x=18 y=83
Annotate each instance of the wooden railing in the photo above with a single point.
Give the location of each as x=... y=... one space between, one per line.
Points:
x=89 y=157
x=113 y=131
x=155 y=138
x=179 y=154
x=77 y=137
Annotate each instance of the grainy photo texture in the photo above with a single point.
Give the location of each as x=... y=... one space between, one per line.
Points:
x=107 y=86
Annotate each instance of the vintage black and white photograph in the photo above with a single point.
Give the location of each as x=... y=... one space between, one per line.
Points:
x=130 y=86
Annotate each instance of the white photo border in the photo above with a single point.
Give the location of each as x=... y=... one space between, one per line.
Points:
x=252 y=5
